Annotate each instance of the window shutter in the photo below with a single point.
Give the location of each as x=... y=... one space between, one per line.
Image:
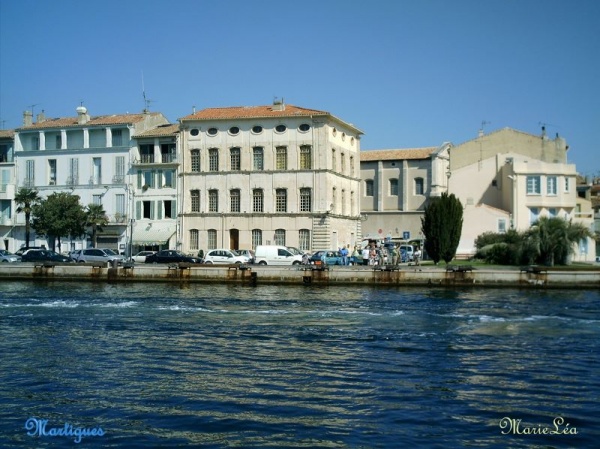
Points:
x=159 y=211
x=138 y=210
x=151 y=210
x=173 y=209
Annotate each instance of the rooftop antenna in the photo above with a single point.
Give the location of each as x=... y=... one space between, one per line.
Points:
x=33 y=106
x=146 y=100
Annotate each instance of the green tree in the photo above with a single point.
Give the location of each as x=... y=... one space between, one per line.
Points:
x=95 y=219
x=25 y=199
x=553 y=239
x=442 y=226
x=59 y=215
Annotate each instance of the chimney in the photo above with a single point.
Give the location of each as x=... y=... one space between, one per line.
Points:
x=278 y=105
x=481 y=132
x=41 y=117
x=82 y=115
x=27 y=118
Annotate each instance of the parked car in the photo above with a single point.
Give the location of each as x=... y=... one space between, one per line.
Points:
x=96 y=255
x=276 y=255
x=141 y=256
x=24 y=249
x=7 y=256
x=246 y=252
x=332 y=257
x=44 y=255
x=226 y=256
x=170 y=256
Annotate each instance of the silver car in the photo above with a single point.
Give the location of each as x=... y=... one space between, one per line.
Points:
x=96 y=255
x=6 y=256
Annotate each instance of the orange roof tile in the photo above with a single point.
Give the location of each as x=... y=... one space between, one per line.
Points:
x=242 y=112
x=160 y=131
x=101 y=120
x=398 y=154
x=7 y=134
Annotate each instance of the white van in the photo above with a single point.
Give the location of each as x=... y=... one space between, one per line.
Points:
x=410 y=251
x=275 y=255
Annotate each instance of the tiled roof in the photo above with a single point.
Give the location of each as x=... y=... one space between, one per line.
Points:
x=160 y=131
x=7 y=134
x=399 y=154
x=100 y=120
x=242 y=112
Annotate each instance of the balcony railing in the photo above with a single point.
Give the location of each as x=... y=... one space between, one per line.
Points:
x=72 y=181
x=168 y=158
x=118 y=218
x=30 y=183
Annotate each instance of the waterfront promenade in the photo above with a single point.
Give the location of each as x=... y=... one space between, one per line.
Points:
x=428 y=275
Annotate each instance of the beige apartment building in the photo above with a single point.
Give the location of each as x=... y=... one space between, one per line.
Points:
x=277 y=174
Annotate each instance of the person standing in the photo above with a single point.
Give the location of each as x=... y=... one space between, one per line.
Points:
x=344 y=254
x=365 y=255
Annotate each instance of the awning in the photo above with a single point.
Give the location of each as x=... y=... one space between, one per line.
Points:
x=154 y=233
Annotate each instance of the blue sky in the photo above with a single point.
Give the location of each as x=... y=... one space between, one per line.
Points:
x=408 y=73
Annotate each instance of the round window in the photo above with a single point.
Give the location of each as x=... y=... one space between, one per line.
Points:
x=234 y=130
x=334 y=131
x=257 y=129
x=194 y=131
x=343 y=136
x=212 y=131
x=280 y=128
x=304 y=127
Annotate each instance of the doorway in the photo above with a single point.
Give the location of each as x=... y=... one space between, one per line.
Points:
x=234 y=239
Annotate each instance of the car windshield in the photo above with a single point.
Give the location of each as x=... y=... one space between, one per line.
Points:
x=110 y=252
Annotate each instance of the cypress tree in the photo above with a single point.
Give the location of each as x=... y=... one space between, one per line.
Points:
x=442 y=226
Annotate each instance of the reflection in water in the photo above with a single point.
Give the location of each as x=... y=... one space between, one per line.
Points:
x=177 y=366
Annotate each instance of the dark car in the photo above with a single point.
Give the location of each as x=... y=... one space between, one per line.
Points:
x=170 y=256
x=44 y=255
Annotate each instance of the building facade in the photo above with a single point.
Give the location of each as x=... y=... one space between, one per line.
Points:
x=277 y=174
x=86 y=156
x=7 y=188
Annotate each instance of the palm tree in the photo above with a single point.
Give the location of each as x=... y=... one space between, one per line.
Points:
x=554 y=239
x=95 y=218
x=25 y=199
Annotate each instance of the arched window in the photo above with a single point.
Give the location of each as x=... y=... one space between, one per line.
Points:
x=194 y=239
x=279 y=237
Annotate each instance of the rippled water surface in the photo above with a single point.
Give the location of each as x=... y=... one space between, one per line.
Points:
x=326 y=367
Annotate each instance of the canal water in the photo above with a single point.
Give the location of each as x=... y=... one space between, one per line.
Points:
x=211 y=366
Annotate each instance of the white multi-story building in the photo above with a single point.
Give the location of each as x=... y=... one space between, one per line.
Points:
x=277 y=174
x=86 y=156
x=7 y=188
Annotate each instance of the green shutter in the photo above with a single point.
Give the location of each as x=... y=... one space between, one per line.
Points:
x=159 y=207
x=138 y=210
x=173 y=209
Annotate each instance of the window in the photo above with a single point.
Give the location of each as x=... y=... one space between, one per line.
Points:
x=52 y=172
x=212 y=131
x=334 y=201
x=305 y=199
x=258 y=158
x=29 y=173
x=567 y=185
x=147 y=154
x=117 y=137
x=58 y=142
x=305 y=157
x=195 y=200
x=351 y=165
x=369 y=187
x=257 y=200
x=168 y=153
x=213 y=159
x=234 y=130
x=194 y=240
x=333 y=161
x=280 y=128
x=256 y=238
x=551 y=185
x=194 y=132
x=212 y=239
x=195 y=161
x=281 y=158
x=213 y=200
x=120 y=205
x=234 y=200
x=552 y=212
x=279 y=237
x=168 y=178
x=257 y=129
x=169 y=209
x=97 y=200
x=304 y=239
x=393 y=187
x=146 y=179
x=533 y=185
x=419 y=186
x=501 y=225
x=119 y=170
x=96 y=171
x=534 y=214
x=343 y=162
x=343 y=202
x=281 y=200
x=148 y=209
x=73 y=178
x=234 y=155
x=304 y=127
